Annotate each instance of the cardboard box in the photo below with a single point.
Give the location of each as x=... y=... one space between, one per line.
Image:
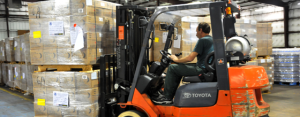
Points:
x=70 y=111
x=52 y=79
x=88 y=110
x=50 y=55
x=37 y=56
x=87 y=96
x=67 y=80
x=10 y=75
x=17 y=75
x=38 y=79
x=86 y=79
x=54 y=111
x=40 y=110
x=49 y=94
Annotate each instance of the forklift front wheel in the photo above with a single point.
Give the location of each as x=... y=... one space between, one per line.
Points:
x=132 y=113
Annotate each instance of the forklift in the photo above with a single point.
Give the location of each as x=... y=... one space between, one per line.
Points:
x=126 y=89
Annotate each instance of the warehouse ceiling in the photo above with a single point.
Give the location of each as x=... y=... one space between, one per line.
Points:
x=252 y=4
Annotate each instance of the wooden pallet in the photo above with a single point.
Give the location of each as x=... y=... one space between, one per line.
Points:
x=42 y=68
x=2 y=84
x=18 y=90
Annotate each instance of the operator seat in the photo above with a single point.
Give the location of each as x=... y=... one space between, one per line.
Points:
x=209 y=76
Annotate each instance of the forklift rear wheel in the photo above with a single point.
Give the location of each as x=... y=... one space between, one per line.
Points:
x=132 y=113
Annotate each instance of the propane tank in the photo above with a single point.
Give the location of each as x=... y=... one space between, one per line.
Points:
x=240 y=44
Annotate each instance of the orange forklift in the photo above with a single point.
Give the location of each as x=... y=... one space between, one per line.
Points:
x=126 y=89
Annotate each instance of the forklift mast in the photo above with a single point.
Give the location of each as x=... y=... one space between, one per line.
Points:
x=134 y=28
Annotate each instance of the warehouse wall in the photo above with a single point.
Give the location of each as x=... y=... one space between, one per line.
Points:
x=269 y=14
x=18 y=20
x=294 y=23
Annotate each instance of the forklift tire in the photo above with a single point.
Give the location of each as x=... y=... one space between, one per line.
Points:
x=132 y=113
x=265 y=115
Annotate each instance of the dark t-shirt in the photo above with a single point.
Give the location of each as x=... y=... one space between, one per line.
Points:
x=203 y=47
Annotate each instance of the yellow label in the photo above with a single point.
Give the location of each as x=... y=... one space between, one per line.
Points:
x=14 y=75
x=156 y=39
x=37 y=34
x=14 y=48
x=21 y=77
x=41 y=102
x=21 y=49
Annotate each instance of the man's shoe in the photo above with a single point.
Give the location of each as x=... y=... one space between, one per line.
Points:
x=162 y=100
x=157 y=94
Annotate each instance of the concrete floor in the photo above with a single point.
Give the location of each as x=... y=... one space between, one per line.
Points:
x=284 y=101
x=15 y=104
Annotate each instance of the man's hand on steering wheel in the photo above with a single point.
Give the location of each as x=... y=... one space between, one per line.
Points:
x=174 y=58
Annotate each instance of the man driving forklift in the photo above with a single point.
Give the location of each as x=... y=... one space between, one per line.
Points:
x=176 y=71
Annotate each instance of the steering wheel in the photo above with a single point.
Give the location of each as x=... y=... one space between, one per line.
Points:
x=209 y=62
x=165 y=54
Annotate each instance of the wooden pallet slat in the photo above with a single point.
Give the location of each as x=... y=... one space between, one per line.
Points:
x=42 y=68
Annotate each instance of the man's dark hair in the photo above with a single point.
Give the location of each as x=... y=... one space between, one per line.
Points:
x=204 y=26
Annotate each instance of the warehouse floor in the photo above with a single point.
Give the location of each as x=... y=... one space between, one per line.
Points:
x=284 y=101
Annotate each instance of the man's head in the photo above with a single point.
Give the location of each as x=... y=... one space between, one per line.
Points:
x=203 y=29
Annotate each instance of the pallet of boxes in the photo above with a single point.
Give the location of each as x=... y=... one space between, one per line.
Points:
x=264 y=50
x=16 y=66
x=67 y=38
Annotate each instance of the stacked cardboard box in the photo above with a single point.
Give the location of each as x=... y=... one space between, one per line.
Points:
x=264 y=39
x=185 y=32
x=89 y=23
x=2 y=50
x=248 y=27
x=80 y=87
x=268 y=64
x=9 y=49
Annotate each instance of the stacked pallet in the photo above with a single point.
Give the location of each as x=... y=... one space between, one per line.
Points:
x=67 y=38
x=16 y=68
x=268 y=64
x=286 y=66
x=79 y=88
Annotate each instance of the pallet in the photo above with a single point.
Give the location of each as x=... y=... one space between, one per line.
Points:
x=287 y=83
x=42 y=68
x=18 y=90
x=2 y=84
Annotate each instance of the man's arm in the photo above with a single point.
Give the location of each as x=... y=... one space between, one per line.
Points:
x=188 y=58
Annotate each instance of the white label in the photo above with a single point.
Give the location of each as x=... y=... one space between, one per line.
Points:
x=243 y=30
x=101 y=19
x=102 y=4
x=84 y=76
x=115 y=20
x=73 y=35
x=9 y=75
x=272 y=65
x=80 y=10
x=94 y=75
x=269 y=60
x=262 y=60
x=16 y=43
x=16 y=73
x=165 y=35
x=177 y=42
x=270 y=75
x=89 y=2
x=235 y=58
x=254 y=31
x=246 y=21
x=253 y=22
x=23 y=75
x=79 y=43
x=60 y=99
x=100 y=35
x=100 y=50
x=254 y=39
x=22 y=46
x=56 y=28
x=270 y=68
